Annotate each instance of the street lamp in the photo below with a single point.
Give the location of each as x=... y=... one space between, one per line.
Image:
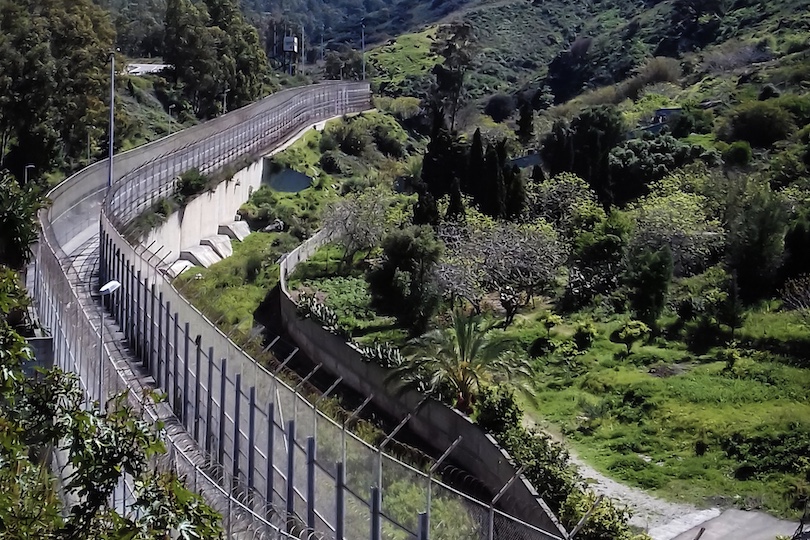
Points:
x=112 y=117
x=25 y=173
x=225 y=100
x=106 y=290
x=363 y=41
x=89 y=130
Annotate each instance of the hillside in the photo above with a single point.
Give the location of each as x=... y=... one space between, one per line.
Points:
x=570 y=46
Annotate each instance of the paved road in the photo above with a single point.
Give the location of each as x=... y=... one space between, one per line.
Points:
x=741 y=525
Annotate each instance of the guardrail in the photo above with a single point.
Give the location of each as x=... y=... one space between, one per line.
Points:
x=260 y=452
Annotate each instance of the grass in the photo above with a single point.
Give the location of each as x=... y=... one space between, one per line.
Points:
x=661 y=419
x=407 y=57
x=233 y=288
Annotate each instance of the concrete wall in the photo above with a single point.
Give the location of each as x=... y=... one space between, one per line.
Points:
x=435 y=422
x=203 y=215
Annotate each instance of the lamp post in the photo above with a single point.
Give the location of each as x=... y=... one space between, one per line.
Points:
x=25 y=173
x=363 y=44
x=89 y=130
x=106 y=290
x=111 y=149
x=225 y=100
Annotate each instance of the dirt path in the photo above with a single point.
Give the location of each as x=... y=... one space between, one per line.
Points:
x=663 y=520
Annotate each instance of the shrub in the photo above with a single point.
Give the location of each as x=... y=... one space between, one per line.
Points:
x=691 y=120
x=190 y=183
x=500 y=107
x=631 y=332
x=584 y=334
x=761 y=123
x=738 y=154
x=497 y=411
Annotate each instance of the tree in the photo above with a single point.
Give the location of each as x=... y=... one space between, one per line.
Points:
x=731 y=310
x=455 y=364
x=516 y=196
x=584 y=147
x=493 y=193
x=401 y=283
x=358 y=220
x=53 y=79
x=755 y=242
x=425 y=209
x=475 y=168
x=518 y=260
x=18 y=220
x=500 y=107
x=455 y=44
x=636 y=163
x=648 y=277
x=48 y=411
x=761 y=123
x=680 y=221
x=525 y=129
x=214 y=53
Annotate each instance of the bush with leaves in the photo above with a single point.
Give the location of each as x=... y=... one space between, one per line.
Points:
x=760 y=123
x=584 y=335
x=400 y=284
x=738 y=154
x=49 y=413
x=18 y=220
x=632 y=332
x=636 y=163
x=497 y=410
x=648 y=277
x=190 y=183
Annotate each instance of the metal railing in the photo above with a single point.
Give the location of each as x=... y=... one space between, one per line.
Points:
x=259 y=451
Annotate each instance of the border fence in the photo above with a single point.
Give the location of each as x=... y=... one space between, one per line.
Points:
x=260 y=452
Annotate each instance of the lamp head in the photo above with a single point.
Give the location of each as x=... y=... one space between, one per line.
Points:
x=109 y=288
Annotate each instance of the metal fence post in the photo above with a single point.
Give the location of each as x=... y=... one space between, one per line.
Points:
x=290 y=469
x=151 y=353
x=251 y=440
x=311 y=483
x=376 y=503
x=209 y=401
x=184 y=418
x=340 y=504
x=222 y=381
x=168 y=335
x=175 y=359
x=197 y=366
x=139 y=309
x=270 y=470
x=422 y=532
x=236 y=431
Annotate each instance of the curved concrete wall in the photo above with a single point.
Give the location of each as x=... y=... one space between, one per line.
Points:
x=202 y=216
x=478 y=452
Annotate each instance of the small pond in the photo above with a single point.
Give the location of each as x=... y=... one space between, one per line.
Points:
x=284 y=179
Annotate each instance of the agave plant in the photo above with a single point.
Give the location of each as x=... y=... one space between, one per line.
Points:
x=454 y=364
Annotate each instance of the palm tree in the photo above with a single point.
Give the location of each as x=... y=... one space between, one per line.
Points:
x=455 y=363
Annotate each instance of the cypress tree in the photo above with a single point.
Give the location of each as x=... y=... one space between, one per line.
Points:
x=475 y=168
x=455 y=209
x=526 y=123
x=493 y=202
x=515 y=192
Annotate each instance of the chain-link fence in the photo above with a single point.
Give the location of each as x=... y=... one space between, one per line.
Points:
x=258 y=450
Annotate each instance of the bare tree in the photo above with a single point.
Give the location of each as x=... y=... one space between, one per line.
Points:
x=516 y=260
x=358 y=221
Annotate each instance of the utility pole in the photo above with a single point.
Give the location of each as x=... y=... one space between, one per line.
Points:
x=363 y=42
x=303 y=51
x=322 y=49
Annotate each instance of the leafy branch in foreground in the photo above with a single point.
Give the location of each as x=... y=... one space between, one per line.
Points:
x=46 y=413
